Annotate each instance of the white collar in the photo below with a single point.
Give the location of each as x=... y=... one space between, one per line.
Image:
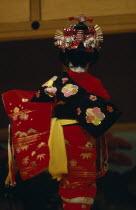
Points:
x=77 y=69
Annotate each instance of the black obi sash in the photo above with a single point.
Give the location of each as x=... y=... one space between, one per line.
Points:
x=94 y=113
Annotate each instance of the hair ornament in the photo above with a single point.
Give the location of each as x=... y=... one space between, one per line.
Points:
x=79 y=35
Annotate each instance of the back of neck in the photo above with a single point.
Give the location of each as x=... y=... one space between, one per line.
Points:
x=77 y=69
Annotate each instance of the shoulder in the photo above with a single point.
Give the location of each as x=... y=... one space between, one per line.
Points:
x=99 y=89
x=95 y=80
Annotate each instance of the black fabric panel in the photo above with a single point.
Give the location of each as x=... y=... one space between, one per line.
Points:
x=80 y=100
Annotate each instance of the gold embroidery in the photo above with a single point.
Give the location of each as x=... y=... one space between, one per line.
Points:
x=42 y=144
x=20 y=134
x=88 y=144
x=66 y=141
x=25 y=147
x=82 y=174
x=87 y=149
x=29 y=139
x=33 y=163
x=31 y=130
x=24 y=99
x=33 y=169
x=25 y=160
x=41 y=156
x=23 y=143
x=73 y=163
x=86 y=155
x=24 y=173
x=16 y=110
x=33 y=153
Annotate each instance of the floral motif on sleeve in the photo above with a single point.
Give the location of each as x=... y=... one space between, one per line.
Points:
x=50 y=82
x=64 y=80
x=73 y=163
x=93 y=98
x=69 y=90
x=51 y=91
x=86 y=155
x=88 y=144
x=24 y=99
x=41 y=156
x=78 y=111
x=16 y=110
x=110 y=109
x=24 y=116
x=94 y=115
x=25 y=160
x=37 y=94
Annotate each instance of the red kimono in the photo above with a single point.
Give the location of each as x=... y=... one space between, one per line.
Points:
x=81 y=150
x=30 y=133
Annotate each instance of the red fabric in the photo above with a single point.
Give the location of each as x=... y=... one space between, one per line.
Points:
x=80 y=146
x=89 y=83
x=80 y=181
x=81 y=155
x=30 y=131
x=76 y=206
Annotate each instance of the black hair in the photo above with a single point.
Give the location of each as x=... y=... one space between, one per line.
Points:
x=78 y=57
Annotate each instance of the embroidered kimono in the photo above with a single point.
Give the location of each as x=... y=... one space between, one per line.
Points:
x=79 y=97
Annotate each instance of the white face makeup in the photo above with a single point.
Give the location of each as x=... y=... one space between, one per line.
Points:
x=76 y=69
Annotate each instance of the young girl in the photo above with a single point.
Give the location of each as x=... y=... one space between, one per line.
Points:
x=76 y=110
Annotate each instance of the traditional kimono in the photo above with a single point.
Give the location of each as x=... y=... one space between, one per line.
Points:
x=77 y=102
x=80 y=145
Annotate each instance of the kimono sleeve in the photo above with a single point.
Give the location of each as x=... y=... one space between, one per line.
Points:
x=47 y=92
x=100 y=91
x=93 y=112
x=30 y=129
x=96 y=114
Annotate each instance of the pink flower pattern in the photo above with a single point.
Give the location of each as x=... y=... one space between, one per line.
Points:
x=93 y=98
x=69 y=90
x=37 y=94
x=94 y=115
x=51 y=91
x=64 y=80
x=78 y=111
x=110 y=109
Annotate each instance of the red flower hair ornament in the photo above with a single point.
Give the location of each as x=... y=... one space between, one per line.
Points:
x=72 y=36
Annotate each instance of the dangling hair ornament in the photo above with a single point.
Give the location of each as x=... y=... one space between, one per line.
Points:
x=75 y=35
